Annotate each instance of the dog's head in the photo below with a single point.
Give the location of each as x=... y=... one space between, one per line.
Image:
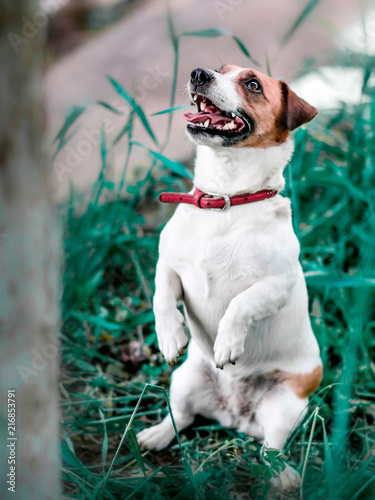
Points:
x=243 y=108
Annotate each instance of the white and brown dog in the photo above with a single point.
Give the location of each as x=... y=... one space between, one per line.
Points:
x=252 y=358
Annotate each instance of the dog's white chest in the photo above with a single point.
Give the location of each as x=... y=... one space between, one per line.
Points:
x=200 y=240
x=215 y=254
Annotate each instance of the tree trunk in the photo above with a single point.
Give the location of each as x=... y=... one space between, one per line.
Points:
x=29 y=263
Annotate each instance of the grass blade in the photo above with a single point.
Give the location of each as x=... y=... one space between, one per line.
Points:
x=308 y=449
x=130 y=423
x=325 y=279
x=135 y=106
x=306 y=11
x=175 y=43
x=134 y=448
x=109 y=107
x=72 y=116
x=268 y=66
x=171 y=110
x=105 y=441
x=216 y=32
x=330 y=473
x=171 y=29
x=175 y=166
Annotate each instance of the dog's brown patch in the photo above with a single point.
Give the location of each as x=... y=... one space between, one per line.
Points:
x=296 y=111
x=245 y=395
x=303 y=384
x=227 y=68
x=266 y=110
x=274 y=111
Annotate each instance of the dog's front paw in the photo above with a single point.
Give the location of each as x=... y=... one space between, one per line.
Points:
x=226 y=351
x=229 y=344
x=231 y=336
x=172 y=337
x=173 y=346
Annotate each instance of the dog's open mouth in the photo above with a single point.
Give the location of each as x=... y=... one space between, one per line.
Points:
x=212 y=120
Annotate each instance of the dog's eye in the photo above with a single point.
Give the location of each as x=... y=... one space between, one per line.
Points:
x=253 y=85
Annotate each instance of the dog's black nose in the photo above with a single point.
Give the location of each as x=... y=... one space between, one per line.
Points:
x=200 y=76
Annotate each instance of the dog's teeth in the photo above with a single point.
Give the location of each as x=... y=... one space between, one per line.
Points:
x=203 y=106
x=195 y=97
x=206 y=123
x=233 y=115
x=226 y=126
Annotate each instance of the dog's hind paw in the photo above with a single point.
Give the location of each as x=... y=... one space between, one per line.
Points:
x=287 y=480
x=155 y=438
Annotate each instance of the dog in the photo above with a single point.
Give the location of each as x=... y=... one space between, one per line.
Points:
x=253 y=359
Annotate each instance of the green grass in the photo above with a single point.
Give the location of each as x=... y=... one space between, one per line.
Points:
x=109 y=345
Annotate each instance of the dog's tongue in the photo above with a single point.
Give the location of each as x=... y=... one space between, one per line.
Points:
x=214 y=116
x=211 y=113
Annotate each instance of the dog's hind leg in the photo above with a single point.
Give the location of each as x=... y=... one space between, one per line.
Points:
x=159 y=436
x=279 y=413
x=186 y=383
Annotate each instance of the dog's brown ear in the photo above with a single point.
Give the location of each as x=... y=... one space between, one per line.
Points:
x=296 y=110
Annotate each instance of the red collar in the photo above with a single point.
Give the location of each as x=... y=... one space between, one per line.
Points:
x=215 y=201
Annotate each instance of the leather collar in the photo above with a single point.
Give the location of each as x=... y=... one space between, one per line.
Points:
x=216 y=201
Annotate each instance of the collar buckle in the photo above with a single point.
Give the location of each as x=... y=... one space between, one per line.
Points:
x=226 y=199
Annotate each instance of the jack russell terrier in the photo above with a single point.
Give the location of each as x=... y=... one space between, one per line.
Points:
x=230 y=255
